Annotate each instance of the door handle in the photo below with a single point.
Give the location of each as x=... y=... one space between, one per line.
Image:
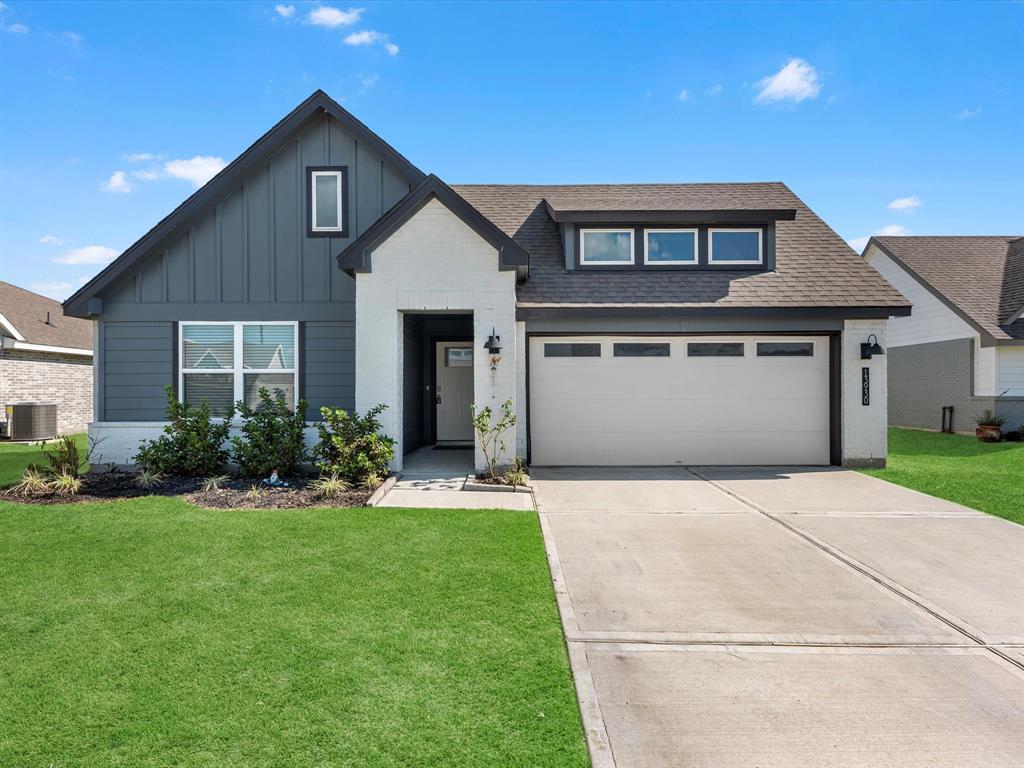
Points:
x=438 y=400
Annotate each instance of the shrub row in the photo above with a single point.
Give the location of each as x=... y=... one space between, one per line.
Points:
x=272 y=437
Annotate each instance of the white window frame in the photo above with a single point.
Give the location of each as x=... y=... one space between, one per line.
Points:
x=711 y=246
x=606 y=231
x=339 y=175
x=238 y=371
x=670 y=230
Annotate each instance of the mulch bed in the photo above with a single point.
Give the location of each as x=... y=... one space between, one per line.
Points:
x=234 y=494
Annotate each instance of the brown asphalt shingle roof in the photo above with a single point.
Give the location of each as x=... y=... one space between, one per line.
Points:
x=982 y=276
x=814 y=266
x=26 y=311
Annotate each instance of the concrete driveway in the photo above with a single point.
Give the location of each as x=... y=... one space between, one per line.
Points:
x=772 y=617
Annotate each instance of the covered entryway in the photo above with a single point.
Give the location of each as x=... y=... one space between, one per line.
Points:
x=666 y=400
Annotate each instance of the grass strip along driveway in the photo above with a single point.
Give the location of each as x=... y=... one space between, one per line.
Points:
x=960 y=468
x=150 y=633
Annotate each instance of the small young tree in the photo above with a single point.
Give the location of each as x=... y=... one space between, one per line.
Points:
x=490 y=436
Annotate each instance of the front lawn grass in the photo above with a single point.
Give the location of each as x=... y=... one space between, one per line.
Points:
x=14 y=457
x=153 y=633
x=985 y=476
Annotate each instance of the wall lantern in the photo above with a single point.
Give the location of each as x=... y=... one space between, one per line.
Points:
x=871 y=348
x=493 y=347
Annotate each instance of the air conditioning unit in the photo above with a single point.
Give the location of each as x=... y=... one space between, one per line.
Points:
x=31 y=421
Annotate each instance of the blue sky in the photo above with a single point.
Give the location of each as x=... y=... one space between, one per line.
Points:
x=882 y=117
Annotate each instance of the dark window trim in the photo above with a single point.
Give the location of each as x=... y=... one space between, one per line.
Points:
x=701 y=265
x=310 y=170
x=659 y=345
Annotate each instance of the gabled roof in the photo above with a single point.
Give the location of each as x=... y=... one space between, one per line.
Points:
x=233 y=174
x=981 y=278
x=814 y=268
x=23 y=319
x=357 y=257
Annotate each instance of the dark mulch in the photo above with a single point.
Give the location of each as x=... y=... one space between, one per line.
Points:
x=234 y=494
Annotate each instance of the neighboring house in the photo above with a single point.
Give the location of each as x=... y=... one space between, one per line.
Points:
x=637 y=324
x=45 y=357
x=964 y=344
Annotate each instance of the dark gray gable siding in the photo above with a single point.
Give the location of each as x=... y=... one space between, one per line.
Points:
x=247 y=258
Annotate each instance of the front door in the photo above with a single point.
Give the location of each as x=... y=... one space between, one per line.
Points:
x=454 y=394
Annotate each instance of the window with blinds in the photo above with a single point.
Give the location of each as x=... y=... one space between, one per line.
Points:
x=224 y=363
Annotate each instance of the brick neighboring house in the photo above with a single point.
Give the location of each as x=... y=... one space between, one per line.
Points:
x=45 y=357
x=964 y=345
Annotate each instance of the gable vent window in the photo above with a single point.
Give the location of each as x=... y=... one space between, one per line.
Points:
x=222 y=363
x=328 y=203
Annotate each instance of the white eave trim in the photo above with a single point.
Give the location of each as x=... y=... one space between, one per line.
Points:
x=5 y=323
x=24 y=345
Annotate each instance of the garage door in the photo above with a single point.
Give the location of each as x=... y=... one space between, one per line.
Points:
x=606 y=401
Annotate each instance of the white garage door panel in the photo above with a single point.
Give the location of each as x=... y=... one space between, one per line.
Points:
x=610 y=411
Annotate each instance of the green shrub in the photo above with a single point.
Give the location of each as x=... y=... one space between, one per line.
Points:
x=272 y=437
x=62 y=458
x=192 y=444
x=351 y=445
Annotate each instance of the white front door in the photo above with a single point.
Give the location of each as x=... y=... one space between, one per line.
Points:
x=454 y=394
x=604 y=400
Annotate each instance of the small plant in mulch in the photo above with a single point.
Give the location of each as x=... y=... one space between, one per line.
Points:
x=490 y=435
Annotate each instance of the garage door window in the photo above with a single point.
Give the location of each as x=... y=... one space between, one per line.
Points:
x=714 y=349
x=572 y=350
x=785 y=349
x=640 y=349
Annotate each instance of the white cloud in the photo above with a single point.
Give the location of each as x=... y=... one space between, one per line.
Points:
x=965 y=113
x=890 y=230
x=90 y=254
x=199 y=170
x=53 y=288
x=326 y=16
x=796 y=81
x=146 y=174
x=139 y=157
x=50 y=240
x=714 y=90
x=371 y=37
x=684 y=95
x=118 y=182
x=905 y=203
x=285 y=11
x=72 y=38
x=18 y=29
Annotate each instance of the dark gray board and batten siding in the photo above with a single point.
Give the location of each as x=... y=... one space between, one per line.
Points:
x=247 y=258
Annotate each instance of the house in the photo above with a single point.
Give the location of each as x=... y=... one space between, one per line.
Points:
x=627 y=324
x=45 y=357
x=964 y=345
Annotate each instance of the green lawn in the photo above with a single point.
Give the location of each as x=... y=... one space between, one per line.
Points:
x=153 y=633
x=14 y=457
x=985 y=476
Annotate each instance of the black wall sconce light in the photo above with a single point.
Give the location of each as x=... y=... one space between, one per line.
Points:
x=871 y=348
x=493 y=347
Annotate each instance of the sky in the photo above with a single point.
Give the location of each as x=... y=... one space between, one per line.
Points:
x=884 y=118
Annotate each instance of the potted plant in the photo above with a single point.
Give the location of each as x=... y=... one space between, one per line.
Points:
x=989 y=427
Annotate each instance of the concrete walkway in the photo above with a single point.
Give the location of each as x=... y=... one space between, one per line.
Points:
x=781 y=617
x=432 y=479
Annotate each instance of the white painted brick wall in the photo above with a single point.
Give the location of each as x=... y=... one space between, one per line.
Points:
x=865 y=441
x=117 y=442
x=435 y=262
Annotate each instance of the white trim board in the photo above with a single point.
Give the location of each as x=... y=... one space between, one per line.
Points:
x=24 y=345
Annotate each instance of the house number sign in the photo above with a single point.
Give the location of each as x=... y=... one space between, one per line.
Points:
x=865 y=386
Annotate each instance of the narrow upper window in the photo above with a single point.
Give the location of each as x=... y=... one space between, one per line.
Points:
x=714 y=349
x=606 y=246
x=572 y=350
x=327 y=204
x=640 y=349
x=734 y=246
x=670 y=246
x=785 y=349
